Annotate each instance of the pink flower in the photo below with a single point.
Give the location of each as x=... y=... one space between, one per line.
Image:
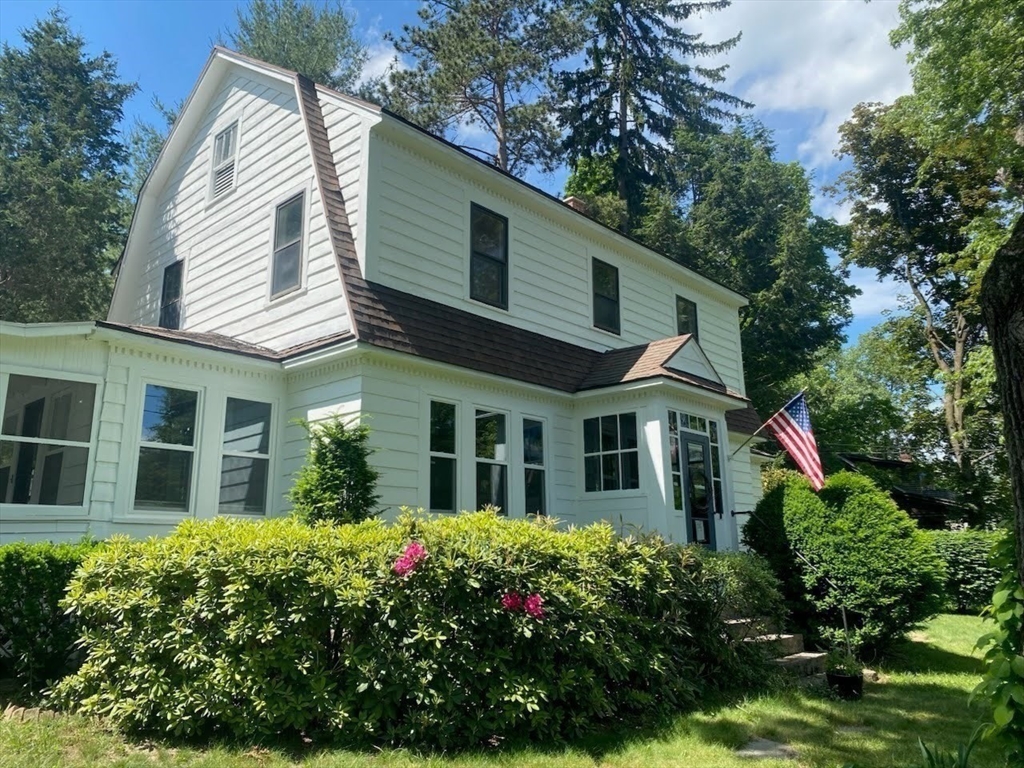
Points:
x=534 y=606
x=414 y=554
x=415 y=551
x=512 y=601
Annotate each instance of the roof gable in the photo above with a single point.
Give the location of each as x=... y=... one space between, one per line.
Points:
x=690 y=358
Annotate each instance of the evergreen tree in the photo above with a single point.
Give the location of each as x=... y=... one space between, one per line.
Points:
x=749 y=225
x=639 y=83
x=62 y=213
x=145 y=141
x=484 y=65
x=315 y=40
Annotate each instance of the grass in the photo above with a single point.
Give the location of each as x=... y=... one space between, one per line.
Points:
x=923 y=693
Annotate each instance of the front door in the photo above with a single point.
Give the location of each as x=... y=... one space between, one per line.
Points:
x=697 y=492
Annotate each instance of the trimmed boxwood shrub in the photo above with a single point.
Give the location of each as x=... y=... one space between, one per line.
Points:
x=864 y=553
x=970 y=577
x=437 y=632
x=36 y=636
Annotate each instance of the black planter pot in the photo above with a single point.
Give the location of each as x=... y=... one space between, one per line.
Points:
x=846 y=687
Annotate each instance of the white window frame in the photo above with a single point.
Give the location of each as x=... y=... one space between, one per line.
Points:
x=269 y=456
x=9 y=511
x=300 y=288
x=617 y=492
x=696 y=315
x=604 y=258
x=430 y=453
x=235 y=123
x=544 y=466
x=181 y=294
x=506 y=462
x=138 y=444
x=508 y=258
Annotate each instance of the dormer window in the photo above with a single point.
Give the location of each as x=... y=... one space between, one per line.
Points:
x=286 y=262
x=488 y=261
x=686 y=317
x=606 y=297
x=225 y=149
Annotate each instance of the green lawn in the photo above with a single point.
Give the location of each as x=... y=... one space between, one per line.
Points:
x=923 y=693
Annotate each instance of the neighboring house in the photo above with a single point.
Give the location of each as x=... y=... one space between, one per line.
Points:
x=910 y=488
x=299 y=253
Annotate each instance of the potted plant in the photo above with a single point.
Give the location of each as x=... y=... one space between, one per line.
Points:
x=844 y=675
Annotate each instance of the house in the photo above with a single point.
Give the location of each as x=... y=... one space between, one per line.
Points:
x=297 y=253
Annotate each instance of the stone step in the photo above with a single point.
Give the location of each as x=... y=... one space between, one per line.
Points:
x=749 y=627
x=778 y=644
x=802 y=664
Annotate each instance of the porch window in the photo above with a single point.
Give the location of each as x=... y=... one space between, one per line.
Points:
x=606 y=297
x=167 y=449
x=170 y=297
x=488 y=265
x=443 y=461
x=491 y=460
x=686 y=317
x=47 y=433
x=611 y=456
x=245 y=463
x=286 y=263
x=534 y=474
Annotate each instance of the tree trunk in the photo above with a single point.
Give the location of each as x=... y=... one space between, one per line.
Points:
x=1002 y=302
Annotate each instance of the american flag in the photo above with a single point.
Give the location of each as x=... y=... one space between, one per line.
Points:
x=792 y=428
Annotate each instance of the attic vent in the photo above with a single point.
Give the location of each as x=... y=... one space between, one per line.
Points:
x=225 y=149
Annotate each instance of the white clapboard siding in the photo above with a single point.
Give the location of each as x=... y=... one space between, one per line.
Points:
x=396 y=407
x=420 y=243
x=226 y=243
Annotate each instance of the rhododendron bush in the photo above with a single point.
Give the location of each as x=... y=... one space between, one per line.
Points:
x=443 y=632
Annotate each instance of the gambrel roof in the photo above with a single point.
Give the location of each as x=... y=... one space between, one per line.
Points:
x=391 y=319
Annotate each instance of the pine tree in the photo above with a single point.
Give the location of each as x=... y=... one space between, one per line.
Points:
x=315 y=40
x=62 y=213
x=485 y=65
x=639 y=83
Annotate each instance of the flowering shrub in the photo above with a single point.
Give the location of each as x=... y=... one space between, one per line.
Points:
x=435 y=632
x=413 y=555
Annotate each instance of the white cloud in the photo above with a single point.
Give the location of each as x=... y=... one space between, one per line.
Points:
x=381 y=54
x=814 y=58
x=876 y=295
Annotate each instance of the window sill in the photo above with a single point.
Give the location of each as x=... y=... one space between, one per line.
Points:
x=22 y=513
x=632 y=493
x=214 y=202
x=485 y=305
x=286 y=297
x=617 y=335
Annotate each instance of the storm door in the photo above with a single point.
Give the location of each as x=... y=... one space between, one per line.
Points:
x=696 y=478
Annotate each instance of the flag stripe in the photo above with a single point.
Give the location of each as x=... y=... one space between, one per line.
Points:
x=792 y=428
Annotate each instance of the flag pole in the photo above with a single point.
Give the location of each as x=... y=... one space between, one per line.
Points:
x=758 y=430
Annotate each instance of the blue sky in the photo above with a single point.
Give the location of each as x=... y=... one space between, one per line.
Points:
x=804 y=64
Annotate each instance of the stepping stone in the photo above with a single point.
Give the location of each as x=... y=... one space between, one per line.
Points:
x=762 y=749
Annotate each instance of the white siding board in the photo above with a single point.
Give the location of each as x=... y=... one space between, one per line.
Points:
x=227 y=243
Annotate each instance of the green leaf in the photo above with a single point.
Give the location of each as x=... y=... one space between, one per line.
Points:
x=1002 y=715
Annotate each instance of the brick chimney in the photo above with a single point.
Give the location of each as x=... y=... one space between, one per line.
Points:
x=576 y=203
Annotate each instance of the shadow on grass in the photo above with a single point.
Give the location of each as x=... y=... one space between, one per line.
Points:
x=918 y=658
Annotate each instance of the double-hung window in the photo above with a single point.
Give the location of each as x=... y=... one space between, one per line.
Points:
x=170 y=297
x=286 y=262
x=534 y=474
x=443 y=461
x=47 y=431
x=611 y=455
x=606 y=296
x=488 y=261
x=245 y=462
x=491 y=460
x=167 y=449
x=225 y=150
x=686 y=317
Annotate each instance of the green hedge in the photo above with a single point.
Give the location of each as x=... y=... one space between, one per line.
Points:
x=750 y=590
x=438 y=632
x=970 y=577
x=36 y=636
x=864 y=552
